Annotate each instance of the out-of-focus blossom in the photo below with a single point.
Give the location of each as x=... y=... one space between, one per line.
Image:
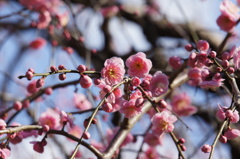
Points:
x=38 y=43
x=181 y=105
x=50 y=118
x=81 y=102
x=159 y=84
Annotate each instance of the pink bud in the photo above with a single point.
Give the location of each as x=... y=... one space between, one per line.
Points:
x=162 y=104
x=97 y=81
x=81 y=68
x=203 y=45
x=81 y=39
x=62 y=76
x=31 y=70
x=175 y=62
x=235 y=117
x=38 y=43
x=107 y=88
x=48 y=91
x=136 y=81
x=225 y=56
x=219 y=69
x=139 y=102
x=17 y=105
x=221 y=113
x=183 y=147
x=69 y=50
x=85 y=81
x=232 y=133
x=53 y=68
x=225 y=63
x=39 y=83
x=223 y=139
x=230 y=70
x=61 y=67
x=206 y=148
x=189 y=47
x=25 y=103
x=212 y=54
x=94 y=51
x=86 y=135
x=107 y=107
x=29 y=75
x=181 y=141
x=192 y=60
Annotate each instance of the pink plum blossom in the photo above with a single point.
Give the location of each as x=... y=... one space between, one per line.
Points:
x=226 y=23
x=50 y=118
x=163 y=122
x=181 y=105
x=228 y=8
x=66 y=118
x=129 y=108
x=152 y=140
x=113 y=71
x=224 y=112
x=159 y=84
x=138 y=65
x=44 y=20
x=81 y=102
x=236 y=59
x=4 y=153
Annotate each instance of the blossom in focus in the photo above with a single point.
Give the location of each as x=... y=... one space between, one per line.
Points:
x=163 y=122
x=159 y=84
x=181 y=105
x=113 y=71
x=138 y=65
x=38 y=43
x=81 y=102
x=50 y=118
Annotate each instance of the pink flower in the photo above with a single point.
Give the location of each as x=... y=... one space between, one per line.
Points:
x=4 y=153
x=66 y=118
x=50 y=118
x=206 y=148
x=129 y=108
x=81 y=102
x=181 y=105
x=232 y=133
x=236 y=59
x=114 y=71
x=224 y=112
x=159 y=84
x=192 y=60
x=152 y=140
x=44 y=20
x=37 y=43
x=229 y=9
x=213 y=84
x=226 y=23
x=163 y=122
x=75 y=131
x=138 y=65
